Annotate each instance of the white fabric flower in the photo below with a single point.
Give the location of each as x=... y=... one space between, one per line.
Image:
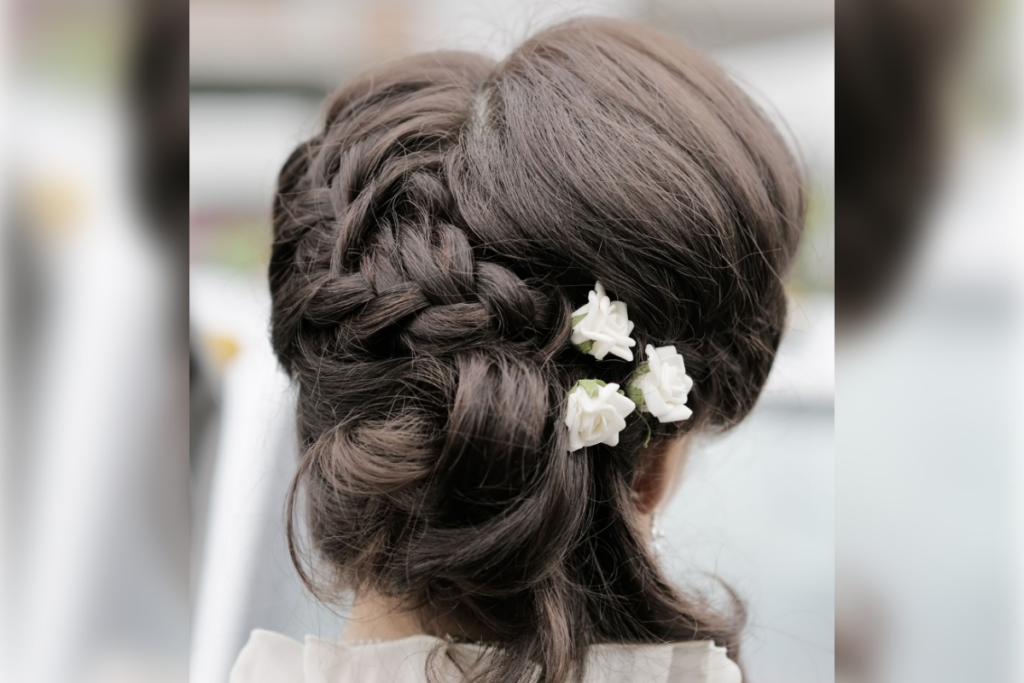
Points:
x=601 y=326
x=660 y=386
x=596 y=414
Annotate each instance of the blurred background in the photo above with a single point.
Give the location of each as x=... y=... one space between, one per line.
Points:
x=757 y=507
x=929 y=340
x=94 y=527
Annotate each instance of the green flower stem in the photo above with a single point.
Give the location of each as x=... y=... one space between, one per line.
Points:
x=635 y=395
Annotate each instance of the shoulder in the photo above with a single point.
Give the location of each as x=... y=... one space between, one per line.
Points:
x=702 y=661
x=689 y=662
x=273 y=658
x=269 y=658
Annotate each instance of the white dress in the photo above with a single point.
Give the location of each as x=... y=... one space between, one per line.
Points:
x=273 y=658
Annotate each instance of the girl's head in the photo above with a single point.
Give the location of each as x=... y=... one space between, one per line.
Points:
x=430 y=244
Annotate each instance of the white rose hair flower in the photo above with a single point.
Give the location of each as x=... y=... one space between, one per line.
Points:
x=601 y=326
x=660 y=385
x=596 y=413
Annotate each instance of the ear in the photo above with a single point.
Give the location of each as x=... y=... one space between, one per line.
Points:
x=659 y=473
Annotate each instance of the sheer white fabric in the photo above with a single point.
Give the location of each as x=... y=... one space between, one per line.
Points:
x=272 y=658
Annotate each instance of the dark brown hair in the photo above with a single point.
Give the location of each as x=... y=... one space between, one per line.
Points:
x=430 y=244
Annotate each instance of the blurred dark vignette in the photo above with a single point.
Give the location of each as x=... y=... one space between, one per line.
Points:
x=157 y=76
x=892 y=57
x=94 y=528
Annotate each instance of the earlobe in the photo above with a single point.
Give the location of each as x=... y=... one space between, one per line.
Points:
x=649 y=482
x=658 y=474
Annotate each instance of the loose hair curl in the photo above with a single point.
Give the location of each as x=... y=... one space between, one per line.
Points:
x=430 y=243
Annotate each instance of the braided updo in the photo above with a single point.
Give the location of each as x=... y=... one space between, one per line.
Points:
x=430 y=243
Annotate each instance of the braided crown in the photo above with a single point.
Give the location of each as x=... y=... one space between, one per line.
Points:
x=371 y=254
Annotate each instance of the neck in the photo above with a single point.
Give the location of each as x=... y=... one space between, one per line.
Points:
x=374 y=617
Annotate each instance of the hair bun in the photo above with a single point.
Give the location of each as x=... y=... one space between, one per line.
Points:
x=430 y=245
